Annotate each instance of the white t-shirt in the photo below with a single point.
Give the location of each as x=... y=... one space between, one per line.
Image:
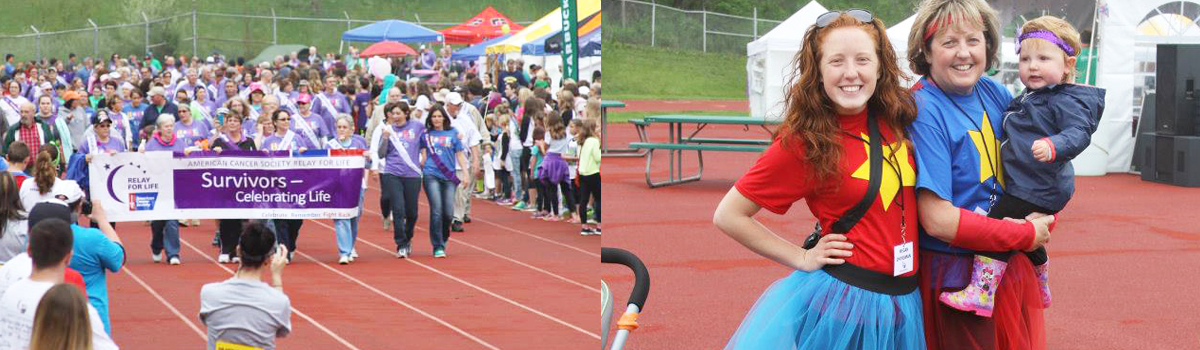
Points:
x=30 y=196
x=17 y=311
x=14 y=270
x=470 y=135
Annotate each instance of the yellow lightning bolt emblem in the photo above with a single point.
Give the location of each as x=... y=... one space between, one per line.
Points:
x=988 y=148
x=889 y=187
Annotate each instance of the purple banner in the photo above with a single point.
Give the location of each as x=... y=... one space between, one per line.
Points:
x=264 y=188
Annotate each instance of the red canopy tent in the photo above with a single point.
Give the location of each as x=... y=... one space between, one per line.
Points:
x=486 y=25
x=387 y=48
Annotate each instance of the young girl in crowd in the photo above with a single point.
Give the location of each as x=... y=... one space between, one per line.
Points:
x=500 y=138
x=589 y=173
x=1050 y=123
x=537 y=152
x=554 y=170
x=487 y=158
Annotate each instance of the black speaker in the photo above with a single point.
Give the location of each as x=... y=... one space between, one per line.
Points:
x=1176 y=78
x=1169 y=159
x=1145 y=124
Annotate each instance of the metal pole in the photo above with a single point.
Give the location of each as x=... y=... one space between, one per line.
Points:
x=95 y=38
x=274 y=28
x=1087 y=75
x=755 y=37
x=39 y=41
x=704 y=22
x=418 y=16
x=147 y=19
x=194 y=51
x=653 y=8
x=623 y=13
x=342 y=43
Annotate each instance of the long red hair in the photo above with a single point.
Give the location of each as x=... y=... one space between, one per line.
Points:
x=810 y=117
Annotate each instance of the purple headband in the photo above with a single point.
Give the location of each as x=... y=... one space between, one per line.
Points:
x=1048 y=36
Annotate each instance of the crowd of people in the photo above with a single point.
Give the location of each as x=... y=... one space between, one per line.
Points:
x=501 y=132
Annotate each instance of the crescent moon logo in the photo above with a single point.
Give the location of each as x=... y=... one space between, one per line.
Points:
x=112 y=176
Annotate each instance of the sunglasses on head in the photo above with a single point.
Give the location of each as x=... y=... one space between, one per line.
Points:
x=863 y=16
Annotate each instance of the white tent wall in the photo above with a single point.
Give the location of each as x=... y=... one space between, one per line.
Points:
x=769 y=61
x=898 y=36
x=1112 y=144
x=553 y=64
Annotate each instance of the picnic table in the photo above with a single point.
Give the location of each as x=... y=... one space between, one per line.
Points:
x=613 y=152
x=677 y=143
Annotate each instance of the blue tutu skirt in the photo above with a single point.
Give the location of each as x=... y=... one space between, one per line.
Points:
x=813 y=310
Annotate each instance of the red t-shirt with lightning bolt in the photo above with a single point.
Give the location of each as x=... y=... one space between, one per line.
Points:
x=782 y=176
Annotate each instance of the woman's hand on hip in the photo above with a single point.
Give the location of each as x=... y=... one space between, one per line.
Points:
x=830 y=250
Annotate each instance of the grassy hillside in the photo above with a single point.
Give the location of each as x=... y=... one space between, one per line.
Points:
x=643 y=72
x=232 y=36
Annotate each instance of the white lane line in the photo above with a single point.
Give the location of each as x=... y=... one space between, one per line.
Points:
x=295 y=310
x=165 y=303
x=485 y=291
x=402 y=303
x=568 y=246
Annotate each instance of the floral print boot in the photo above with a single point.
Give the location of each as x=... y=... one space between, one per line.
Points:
x=980 y=295
x=1043 y=275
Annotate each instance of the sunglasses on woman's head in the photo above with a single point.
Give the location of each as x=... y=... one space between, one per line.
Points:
x=861 y=15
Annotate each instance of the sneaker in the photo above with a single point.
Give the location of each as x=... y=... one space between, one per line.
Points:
x=401 y=253
x=175 y=260
x=344 y=260
x=235 y=260
x=217 y=239
x=586 y=231
x=530 y=209
x=387 y=223
x=456 y=226
x=596 y=231
x=157 y=257
x=519 y=206
x=353 y=254
x=290 y=256
x=551 y=218
x=466 y=219
x=223 y=259
x=537 y=215
x=439 y=253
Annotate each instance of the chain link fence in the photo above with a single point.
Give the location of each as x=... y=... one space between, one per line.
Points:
x=644 y=23
x=196 y=33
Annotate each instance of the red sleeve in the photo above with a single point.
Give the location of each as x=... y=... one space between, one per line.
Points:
x=74 y=277
x=779 y=178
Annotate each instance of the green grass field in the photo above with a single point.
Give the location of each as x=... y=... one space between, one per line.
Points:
x=616 y=116
x=232 y=36
x=639 y=72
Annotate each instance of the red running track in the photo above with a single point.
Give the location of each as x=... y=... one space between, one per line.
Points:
x=509 y=283
x=1124 y=258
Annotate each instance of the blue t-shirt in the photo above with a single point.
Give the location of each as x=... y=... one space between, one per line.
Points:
x=3 y=165
x=443 y=144
x=958 y=156
x=94 y=253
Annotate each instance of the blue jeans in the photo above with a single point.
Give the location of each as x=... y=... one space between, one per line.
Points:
x=514 y=156
x=168 y=228
x=441 y=209
x=347 y=229
x=402 y=192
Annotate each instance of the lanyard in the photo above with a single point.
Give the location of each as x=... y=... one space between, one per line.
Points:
x=986 y=151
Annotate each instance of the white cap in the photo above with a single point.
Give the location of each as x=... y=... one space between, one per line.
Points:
x=583 y=90
x=158 y=90
x=422 y=102
x=454 y=98
x=67 y=191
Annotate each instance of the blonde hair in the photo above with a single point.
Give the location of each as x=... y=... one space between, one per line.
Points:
x=939 y=15
x=1063 y=30
x=593 y=108
x=61 y=320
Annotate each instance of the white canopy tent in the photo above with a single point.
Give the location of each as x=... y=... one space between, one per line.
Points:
x=769 y=61
x=898 y=35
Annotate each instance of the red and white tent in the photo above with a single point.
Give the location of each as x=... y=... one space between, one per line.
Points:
x=486 y=25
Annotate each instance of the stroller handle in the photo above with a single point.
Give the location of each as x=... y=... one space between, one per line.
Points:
x=641 y=287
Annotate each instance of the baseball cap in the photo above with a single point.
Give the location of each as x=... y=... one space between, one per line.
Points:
x=49 y=209
x=304 y=98
x=454 y=98
x=101 y=117
x=158 y=90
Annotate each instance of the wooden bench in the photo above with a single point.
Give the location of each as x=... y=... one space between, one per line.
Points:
x=675 y=175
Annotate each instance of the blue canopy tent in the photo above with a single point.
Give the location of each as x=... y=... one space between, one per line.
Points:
x=551 y=44
x=472 y=53
x=392 y=29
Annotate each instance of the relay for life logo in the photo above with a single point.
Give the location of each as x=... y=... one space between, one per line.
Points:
x=131 y=184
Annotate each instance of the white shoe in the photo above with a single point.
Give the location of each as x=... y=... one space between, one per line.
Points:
x=344 y=260
x=401 y=253
x=236 y=260
x=353 y=254
x=223 y=258
x=175 y=261
x=156 y=257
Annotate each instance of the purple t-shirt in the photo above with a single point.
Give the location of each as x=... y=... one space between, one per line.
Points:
x=315 y=122
x=196 y=131
x=410 y=138
x=274 y=143
x=114 y=144
x=154 y=144
x=361 y=101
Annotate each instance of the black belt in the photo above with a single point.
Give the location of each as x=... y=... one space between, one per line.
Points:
x=871 y=280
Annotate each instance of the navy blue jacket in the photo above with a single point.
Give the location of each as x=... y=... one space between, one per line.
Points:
x=1066 y=115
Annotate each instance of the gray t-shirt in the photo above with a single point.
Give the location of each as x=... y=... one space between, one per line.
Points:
x=15 y=239
x=245 y=312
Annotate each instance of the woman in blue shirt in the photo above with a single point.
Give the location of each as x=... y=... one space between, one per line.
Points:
x=443 y=149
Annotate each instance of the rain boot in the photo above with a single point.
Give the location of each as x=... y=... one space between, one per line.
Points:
x=980 y=295
x=1043 y=275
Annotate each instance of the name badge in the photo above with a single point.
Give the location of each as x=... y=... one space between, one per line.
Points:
x=904 y=259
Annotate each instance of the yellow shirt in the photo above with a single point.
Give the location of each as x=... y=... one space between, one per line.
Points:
x=589 y=157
